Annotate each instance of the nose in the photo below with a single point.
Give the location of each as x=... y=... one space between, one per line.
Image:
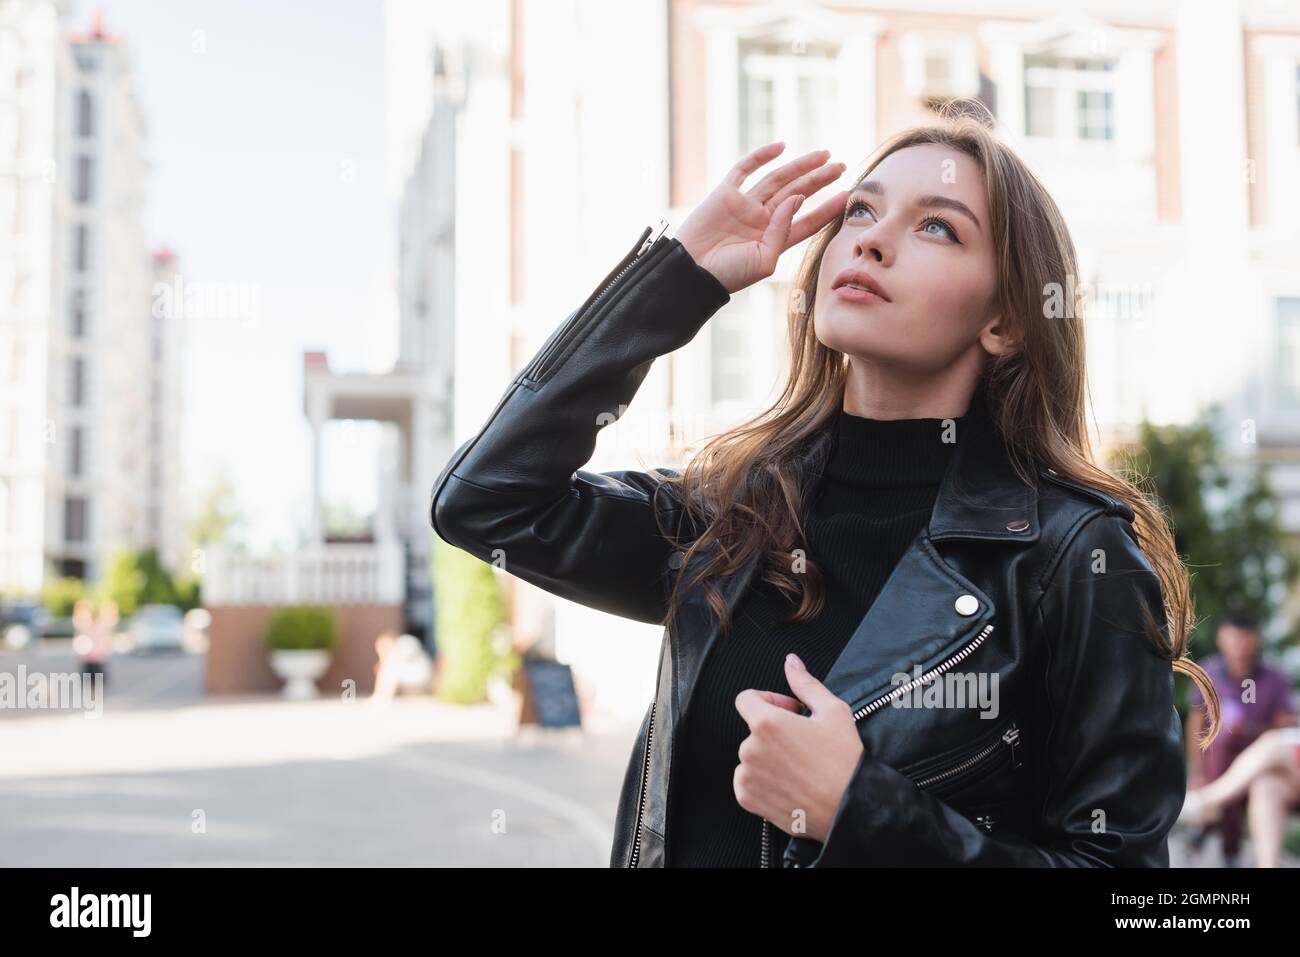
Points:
x=872 y=242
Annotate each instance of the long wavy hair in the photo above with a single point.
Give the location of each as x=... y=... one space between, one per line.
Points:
x=743 y=492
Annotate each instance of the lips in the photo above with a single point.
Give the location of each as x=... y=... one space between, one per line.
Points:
x=858 y=278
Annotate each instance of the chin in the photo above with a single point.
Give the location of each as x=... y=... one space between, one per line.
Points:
x=852 y=334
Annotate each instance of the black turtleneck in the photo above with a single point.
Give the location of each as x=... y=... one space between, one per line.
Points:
x=877 y=491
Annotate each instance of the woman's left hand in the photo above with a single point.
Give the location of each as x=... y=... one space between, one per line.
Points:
x=794 y=767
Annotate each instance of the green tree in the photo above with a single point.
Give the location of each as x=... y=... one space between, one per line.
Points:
x=218 y=518
x=1226 y=524
x=137 y=578
x=60 y=594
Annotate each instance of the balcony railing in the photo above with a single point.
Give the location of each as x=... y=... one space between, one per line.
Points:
x=315 y=574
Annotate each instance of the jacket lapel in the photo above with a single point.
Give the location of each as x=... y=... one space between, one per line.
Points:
x=926 y=609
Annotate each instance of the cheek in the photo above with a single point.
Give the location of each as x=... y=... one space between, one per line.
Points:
x=951 y=302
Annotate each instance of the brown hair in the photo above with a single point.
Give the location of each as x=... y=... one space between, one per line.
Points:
x=743 y=488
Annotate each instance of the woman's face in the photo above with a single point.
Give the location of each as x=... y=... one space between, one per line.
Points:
x=918 y=227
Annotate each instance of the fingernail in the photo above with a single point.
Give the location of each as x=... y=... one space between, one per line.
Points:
x=792 y=658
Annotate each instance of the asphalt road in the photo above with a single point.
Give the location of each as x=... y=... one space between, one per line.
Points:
x=166 y=777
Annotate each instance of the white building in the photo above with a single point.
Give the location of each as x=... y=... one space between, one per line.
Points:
x=1167 y=130
x=164 y=528
x=76 y=333
x=35 y=217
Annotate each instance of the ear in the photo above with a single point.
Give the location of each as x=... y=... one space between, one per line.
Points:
x=996 y=338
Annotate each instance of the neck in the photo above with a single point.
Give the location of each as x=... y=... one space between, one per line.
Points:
x=875 y=390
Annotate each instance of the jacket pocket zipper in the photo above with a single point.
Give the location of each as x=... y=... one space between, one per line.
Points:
x=873 y=706
x=548 y=360
x=1010 y=738
x=645 y=780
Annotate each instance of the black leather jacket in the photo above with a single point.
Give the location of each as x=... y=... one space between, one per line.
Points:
x=1036 y=589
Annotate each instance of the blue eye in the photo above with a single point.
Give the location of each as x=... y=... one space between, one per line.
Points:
x=940 y=221
x=856 y=204
x=931 y=220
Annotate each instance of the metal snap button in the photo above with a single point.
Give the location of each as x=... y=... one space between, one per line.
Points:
x=1019 y=525
x=675 y=559
x=967 y=605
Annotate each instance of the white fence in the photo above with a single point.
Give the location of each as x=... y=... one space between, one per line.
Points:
x=315 y=574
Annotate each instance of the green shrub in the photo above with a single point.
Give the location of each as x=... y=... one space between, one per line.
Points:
x=302 y=627
x=470 y=622
x=60 y=594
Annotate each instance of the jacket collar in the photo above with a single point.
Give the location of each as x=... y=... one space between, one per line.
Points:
x=981 y=498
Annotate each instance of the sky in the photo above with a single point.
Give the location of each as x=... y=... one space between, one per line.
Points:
x=265 y=139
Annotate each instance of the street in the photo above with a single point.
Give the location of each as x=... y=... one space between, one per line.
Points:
x=167 y=778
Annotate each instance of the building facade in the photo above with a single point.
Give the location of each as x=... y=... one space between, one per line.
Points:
x=1166 y=130
x=86 y=381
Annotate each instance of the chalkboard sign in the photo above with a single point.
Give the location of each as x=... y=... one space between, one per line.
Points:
x=550 y=699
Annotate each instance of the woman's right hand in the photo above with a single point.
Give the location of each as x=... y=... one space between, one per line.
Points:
x=738 y=236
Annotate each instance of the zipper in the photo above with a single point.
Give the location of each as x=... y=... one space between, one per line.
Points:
x=874 y=706
x=1009 y=739
x=561 y=335
x=645 y=780
x=547 y=360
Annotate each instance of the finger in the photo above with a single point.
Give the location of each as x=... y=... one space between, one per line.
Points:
x=810 y=691
x=752 y=704
x=810 y=183
x=782 y=701
x=767 y=188
x=819 y=217
x=752 y=161
x=778 y=228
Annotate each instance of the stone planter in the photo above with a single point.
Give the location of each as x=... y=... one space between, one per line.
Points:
x=300 y=669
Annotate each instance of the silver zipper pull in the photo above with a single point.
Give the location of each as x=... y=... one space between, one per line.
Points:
x=1012 y=738
x=653 y=238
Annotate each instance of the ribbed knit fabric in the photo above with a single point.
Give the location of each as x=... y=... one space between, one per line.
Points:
x=877 y=491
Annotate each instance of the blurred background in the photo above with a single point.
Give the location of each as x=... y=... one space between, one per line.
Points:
x=264 y=266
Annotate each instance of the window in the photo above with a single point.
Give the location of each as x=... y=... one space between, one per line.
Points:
x=1069 y=98
x=787 y=92
x=938 y=66
x=77 y=383
x=78 y=313
x=75 y=440
x=730 y=334
x=71 y=568
x=85 y=114
x=81 y=248
x=1288 y=352
x=75 y=509
x=85 y=179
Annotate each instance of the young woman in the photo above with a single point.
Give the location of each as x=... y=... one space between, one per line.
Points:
x=981 y=624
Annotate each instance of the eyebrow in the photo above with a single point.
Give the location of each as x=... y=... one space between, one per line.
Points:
x=927 y=202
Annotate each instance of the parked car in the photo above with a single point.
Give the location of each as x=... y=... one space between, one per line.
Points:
x=21 y=622
x=157 y=627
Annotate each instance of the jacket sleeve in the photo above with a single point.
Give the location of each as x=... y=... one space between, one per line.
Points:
x=515 y=495
x=1112 y=779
